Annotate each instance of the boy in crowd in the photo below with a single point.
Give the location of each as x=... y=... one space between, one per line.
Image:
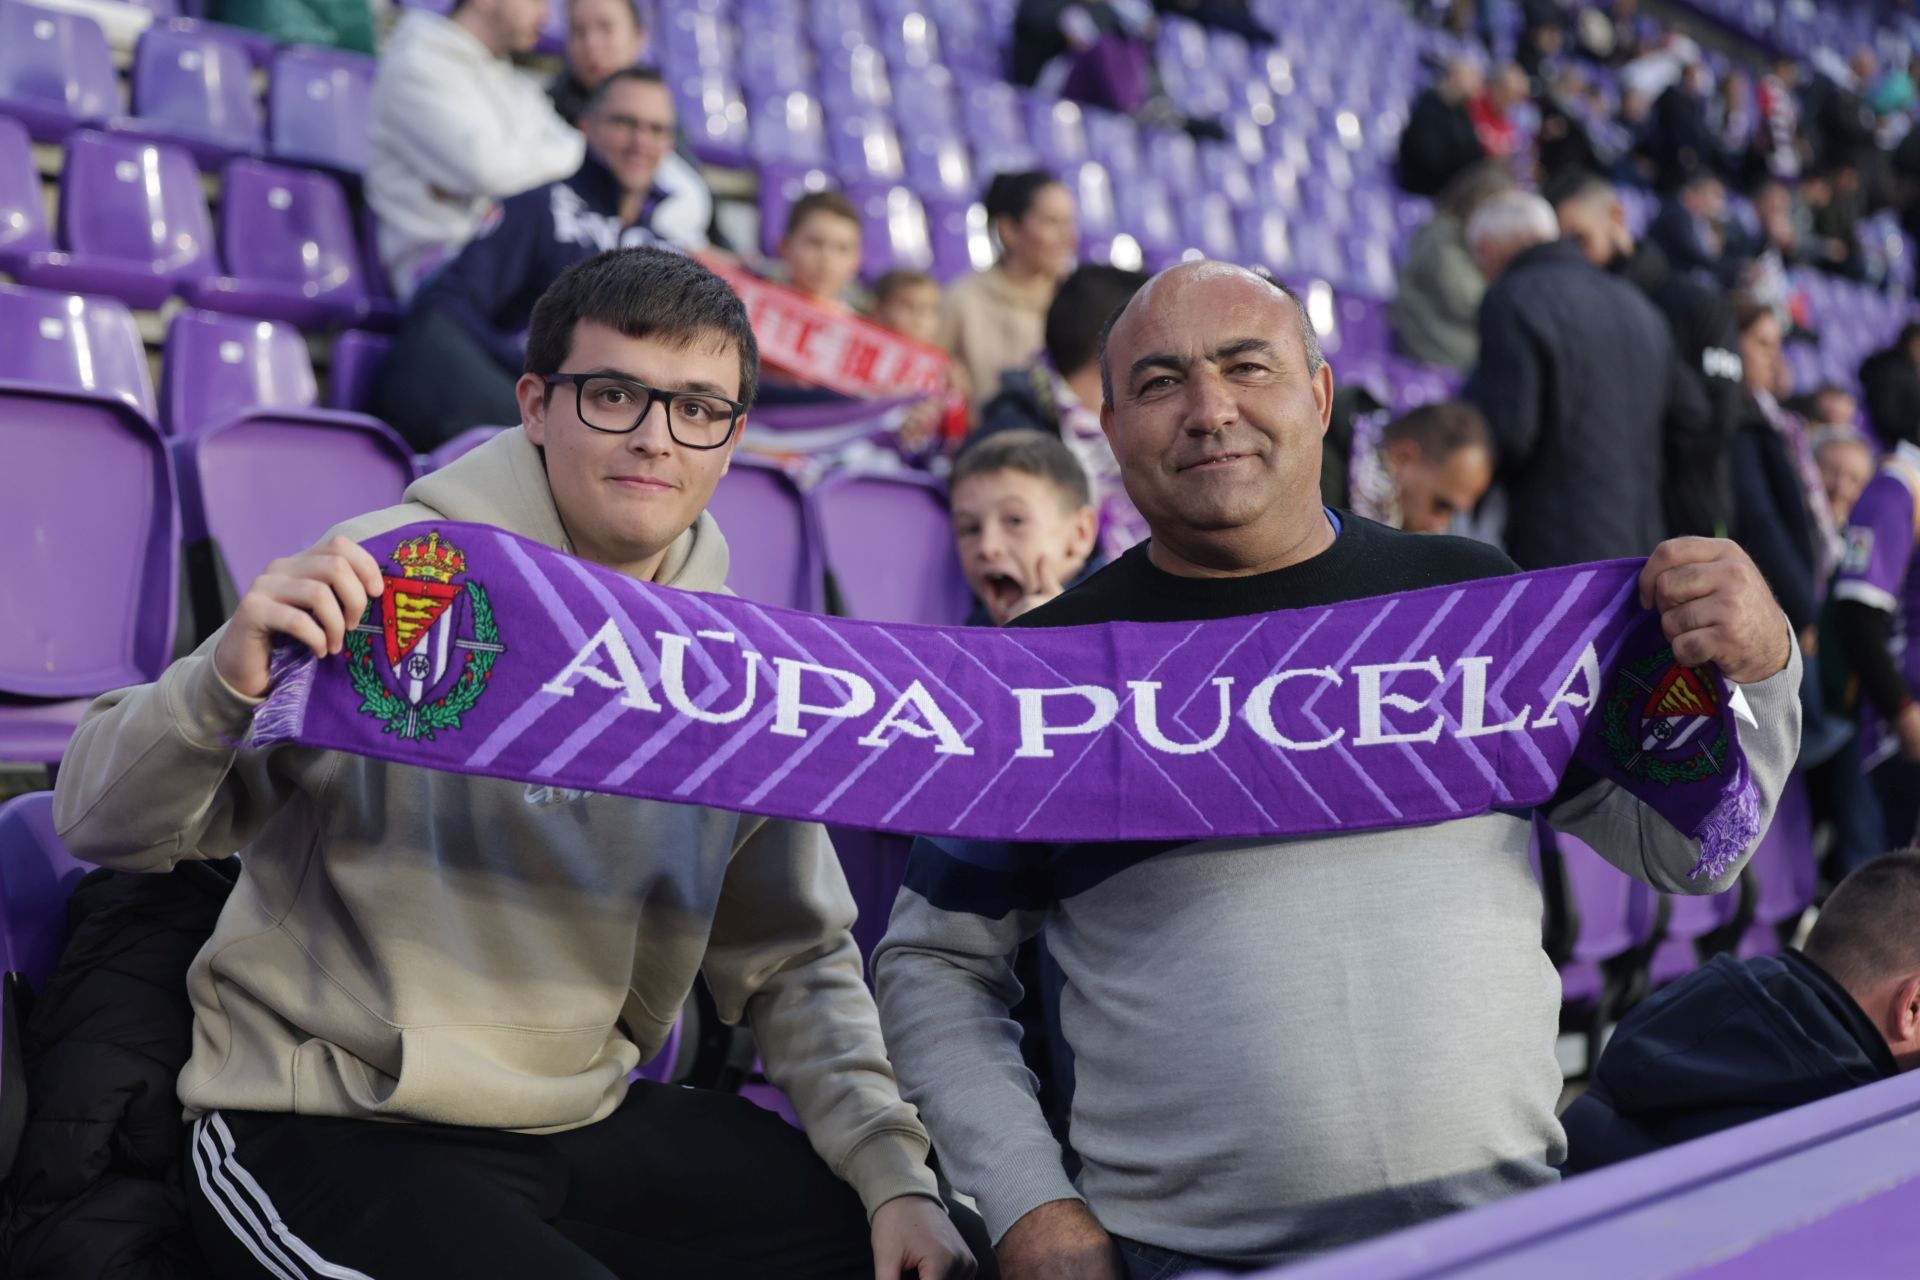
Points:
x=1736 y=1040
x=1023 y=522
x=1846 y=459
x=416 y=1018
x=821 y=248
x=908 y=302
x=1433 y=465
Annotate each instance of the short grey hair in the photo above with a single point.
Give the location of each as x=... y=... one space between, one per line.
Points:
x=1309 y=336
x=1513 y=216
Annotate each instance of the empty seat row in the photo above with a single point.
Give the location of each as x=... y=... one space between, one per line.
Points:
x=192 y=85
x=133 y=224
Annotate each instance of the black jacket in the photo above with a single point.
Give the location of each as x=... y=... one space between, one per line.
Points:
x=1705 y=397
x=1731 y=1042
x=94 y=1190
x=1771 y=519
x=1439 y=141
x=1023 y=403
x=1890 y=380
x=1574 y=372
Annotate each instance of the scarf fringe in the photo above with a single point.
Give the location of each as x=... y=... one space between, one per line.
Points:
x=1730 y=830
x=280 y=718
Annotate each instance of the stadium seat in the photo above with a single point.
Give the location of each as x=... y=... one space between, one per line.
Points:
x=1222 y=170
x=87 y=508
x=56 y=73
x=1146 y=211
x=1057 y=130
x=218 y=367
x=714 y=115
x=133 y=223
x=71 y=343
x=23 y=215
x=1113 y=140
x=1786 y=870
x=912 y=574
x=958 y=231
x=1266 y=239
x=357 y=359
x=938 y=165
x=1692 y=927
x=1207 y=222
x=458 y=447
x=789 y=129
x=1171 y=157
x=37 y=876
x=269 y=484
x=288 y=244
x=1612 y=914
x=866 y=147
x=776 y=554
x=193 y=87
x=893 y=231
x=780 y=186
x=319 y=105
x=990 y=115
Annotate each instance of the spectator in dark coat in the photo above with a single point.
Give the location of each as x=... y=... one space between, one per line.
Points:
x=1690 y=227
x=1440 y=139
x=1890 y=380
x=1573 y=379
x=1739 y=1040
x=1681 y=137
x=1705 y=398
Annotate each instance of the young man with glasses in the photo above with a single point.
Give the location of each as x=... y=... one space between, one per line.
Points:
x=414 y=1022
x=460 y=350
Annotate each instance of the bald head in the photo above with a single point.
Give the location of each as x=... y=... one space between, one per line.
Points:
x=1177 y=283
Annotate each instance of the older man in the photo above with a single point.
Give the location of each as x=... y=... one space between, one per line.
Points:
x=1280 y=1046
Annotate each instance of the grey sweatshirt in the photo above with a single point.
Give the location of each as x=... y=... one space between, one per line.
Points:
x=1280 y=1046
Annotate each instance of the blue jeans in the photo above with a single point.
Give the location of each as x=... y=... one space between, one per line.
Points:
x=1149 y=1262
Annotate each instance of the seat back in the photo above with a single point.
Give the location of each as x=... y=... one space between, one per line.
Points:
x=267 y=485
x=55 y=68
x=194 y=81
x=775 y=554
x=289 y=227
x=320 y=107
x=358 y=357
x=910 y=575
x=135 y=202
x=23 y=215
x=37 y=876
x=219 y=366
x=74 y=343
x=90 y=588
x=893 y=231
x=1785 y=867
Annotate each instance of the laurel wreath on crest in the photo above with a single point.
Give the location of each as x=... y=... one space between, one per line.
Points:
x=1703 y=764
x=429 y=718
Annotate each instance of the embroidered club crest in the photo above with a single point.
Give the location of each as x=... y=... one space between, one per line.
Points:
x=1663 y=722
x=437 y=642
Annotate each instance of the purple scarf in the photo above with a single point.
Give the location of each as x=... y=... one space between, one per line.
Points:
x=490 y=654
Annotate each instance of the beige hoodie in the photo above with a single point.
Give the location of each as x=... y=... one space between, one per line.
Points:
x=411 y=945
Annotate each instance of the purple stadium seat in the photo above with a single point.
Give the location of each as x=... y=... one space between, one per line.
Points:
x=1172 y=157
x=1146 y=211
x=789 y=129
x=1266 y=240
x=1113 y=140
x=714 y=115
x=73 y=343
x=855 y=79
x=875 y=864
x=56 y=73
x=774 y=60
x=1787 y=871
x=270 y=484
x=1208 y=223
x=1092 y=188
x=894 y=231
x=990 y=113
x=911 y=575
x=133 y=223
x=318 y=107
x=1690 y=919
x=1056 y=127
x=1615 y=914
x=776 y=556
x=1222 y=170
x=23 y=215
x=357 y=360
x=958 y=231
x=193 y=86
x=87 y=500
x=458 y=447
x=780 y=186
x=37 y=875
x=866 y=148
x=219 y=367
x=288 y=243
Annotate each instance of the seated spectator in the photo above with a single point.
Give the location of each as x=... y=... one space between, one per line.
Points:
x=460 y=351
x=1023 y=522
x=605 y=36
x=456 y=127
x=1092 y=51
x=1436 y=306
x=1433 y=465
x=995 y=320
x=1779 y=139
x=1846 y=461
x=1890 y=380
x=1828 y=407
x=908 y=302
x=1690 y=227
x=337 y=24
x=1060 y=393
x=1681 y=137
x=820 y=251
x=1837 y=204
x=1440 y=139
x=1739 y=1040
x=1491 y=111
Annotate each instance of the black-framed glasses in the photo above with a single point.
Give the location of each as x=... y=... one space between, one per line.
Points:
x=617 y=406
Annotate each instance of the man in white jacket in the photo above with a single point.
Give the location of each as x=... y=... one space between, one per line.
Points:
x=456 y=127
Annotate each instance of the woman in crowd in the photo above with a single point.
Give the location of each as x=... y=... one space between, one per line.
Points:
x=995 y=320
